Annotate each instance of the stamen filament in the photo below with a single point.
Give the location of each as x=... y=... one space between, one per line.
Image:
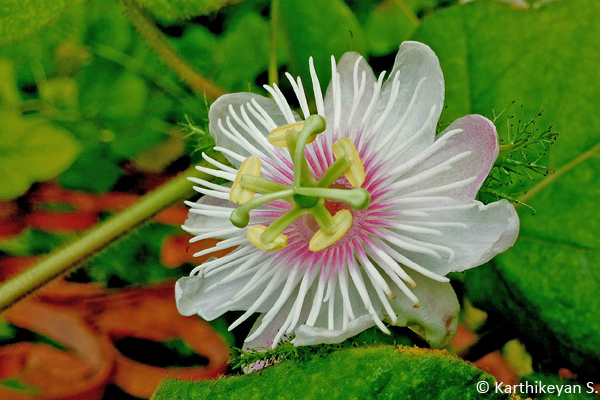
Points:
x=261 y=185
x=334 y=172
x=240 y=217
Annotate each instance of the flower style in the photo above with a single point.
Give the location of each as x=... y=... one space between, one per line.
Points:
x=347 y=218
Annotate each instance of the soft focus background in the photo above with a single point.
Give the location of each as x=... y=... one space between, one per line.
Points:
x=92 y=118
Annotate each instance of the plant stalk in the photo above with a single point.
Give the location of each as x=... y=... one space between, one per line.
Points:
x=70 y=256
x=158 y=42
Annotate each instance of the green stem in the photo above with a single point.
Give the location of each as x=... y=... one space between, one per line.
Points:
x=273 y=77
x=512 y=146
x=70 y=256
x=159 y=43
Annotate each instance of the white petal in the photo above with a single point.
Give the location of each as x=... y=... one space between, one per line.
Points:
x=492 y=229
x=192 y=296
x=349 y=91
x=309 y=335
x=262 y=342
x=477 y=142
x=436 y=320
x=331 y=326
x=206 y=223
x=414 y=62
x=220 y=110
x=267 y=337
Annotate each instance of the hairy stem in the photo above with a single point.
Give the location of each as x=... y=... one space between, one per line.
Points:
x=70 y=256
x=511 y=146
x=159 y=43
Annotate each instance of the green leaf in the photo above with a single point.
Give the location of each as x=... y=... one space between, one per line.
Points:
x=319 y=29
x=242 y=54
x=182 y=9
x=31 y=150
x=92 y=171
x=361 y=373
x=33 y=242
x=492 y=54
x=22 y=18
x=9 y=93
x=7 y=331
x=400 y=336
x=108 y=26
x=197 y=46
x=387 y=26
x=125 y=98
x=20 y=387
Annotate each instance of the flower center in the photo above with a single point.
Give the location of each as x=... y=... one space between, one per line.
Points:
x=328 y=202
x=308 y=226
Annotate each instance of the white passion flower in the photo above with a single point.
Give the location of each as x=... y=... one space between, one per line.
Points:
x=347 y=218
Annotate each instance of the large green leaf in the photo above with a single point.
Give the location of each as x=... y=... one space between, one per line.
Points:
x=22 y=18
x=319 y=29
x=545 y=58
x=242 y=53
x=381 y=372
x=31 y=150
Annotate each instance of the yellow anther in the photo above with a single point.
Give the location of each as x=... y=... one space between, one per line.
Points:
x=356 y=171
x=238 y=193
x=278 y=136
x=255 y=232
x=342 y=221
